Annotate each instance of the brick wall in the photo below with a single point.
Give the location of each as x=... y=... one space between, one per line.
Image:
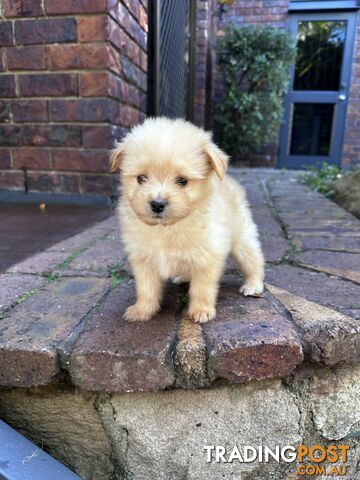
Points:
x=73 y=78
x=351 y=150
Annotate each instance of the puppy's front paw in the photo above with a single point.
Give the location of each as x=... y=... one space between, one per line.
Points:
x=138 y=313
x=252 y=288
x=202 y=315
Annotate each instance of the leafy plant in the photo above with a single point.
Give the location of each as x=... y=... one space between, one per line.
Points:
x=255 y=64
x=321 y=178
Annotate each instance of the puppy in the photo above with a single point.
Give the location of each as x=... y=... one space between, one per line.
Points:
x=181 y=217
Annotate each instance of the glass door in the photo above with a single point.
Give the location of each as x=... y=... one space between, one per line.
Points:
x=315 y=106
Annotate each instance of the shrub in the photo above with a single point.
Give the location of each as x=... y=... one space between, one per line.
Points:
x=321 y=178
x=255 y=64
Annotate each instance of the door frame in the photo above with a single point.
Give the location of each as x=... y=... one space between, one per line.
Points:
x=305 y=96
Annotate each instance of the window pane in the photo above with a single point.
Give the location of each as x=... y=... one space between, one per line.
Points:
x=311 y=128
x=320 y=48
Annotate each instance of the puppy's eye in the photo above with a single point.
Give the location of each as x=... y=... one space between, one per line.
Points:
x=181 y=181
x=141 y=179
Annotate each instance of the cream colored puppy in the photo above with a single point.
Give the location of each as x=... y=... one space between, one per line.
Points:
x=181 y=217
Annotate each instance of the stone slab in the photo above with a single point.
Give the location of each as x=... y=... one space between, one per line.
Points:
x=249 y=339
x=345 y=265
x=33 y=331
x=335 y=402
x=114 y=355
x=13 y=287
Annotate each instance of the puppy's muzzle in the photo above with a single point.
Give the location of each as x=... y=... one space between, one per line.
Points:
x=158 y=206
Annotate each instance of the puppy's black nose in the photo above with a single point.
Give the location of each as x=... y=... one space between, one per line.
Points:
x=158 y=206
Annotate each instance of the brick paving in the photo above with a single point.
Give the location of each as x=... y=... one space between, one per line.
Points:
x=61 y=310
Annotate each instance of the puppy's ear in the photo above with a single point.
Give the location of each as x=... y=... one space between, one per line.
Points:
x=116 y=157
x=217 y=159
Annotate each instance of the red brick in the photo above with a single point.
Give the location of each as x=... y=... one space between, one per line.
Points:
x=92 y=28
x=5 y=158
x=133 y=6
x=128 y=116
x=6 y=34
x=4 y=112
x=101 y=184
x=52 y=135
x=84 y=110
x=143 y=20
x=54 y=7
x=96 y=56
x=45 y=31
x=94 y=84
x=33 y=158
x=22 y=8
x=2 y=65
x=143 y=60
x=12 y=180
x=100 y=136
x=26 y=58
x=52 y=85
x=54 y=182
x=81 y=160
x=133 y=96
x=10 y=135
x=29 y=110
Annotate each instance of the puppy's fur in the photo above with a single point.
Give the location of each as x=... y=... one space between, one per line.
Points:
x=205 y=217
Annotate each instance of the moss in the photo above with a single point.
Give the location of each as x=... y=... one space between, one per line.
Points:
x=119 y=275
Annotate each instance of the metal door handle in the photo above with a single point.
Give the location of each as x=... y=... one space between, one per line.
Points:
x=342 y=97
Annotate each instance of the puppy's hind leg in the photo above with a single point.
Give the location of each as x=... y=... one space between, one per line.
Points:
x=148 y=293
x=247 y=252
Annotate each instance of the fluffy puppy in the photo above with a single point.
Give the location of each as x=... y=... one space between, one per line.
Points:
x=181 y=217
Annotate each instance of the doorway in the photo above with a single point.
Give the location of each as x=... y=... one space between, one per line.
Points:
x=315 y=106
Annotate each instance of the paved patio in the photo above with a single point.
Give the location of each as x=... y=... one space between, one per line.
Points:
x=61 y=310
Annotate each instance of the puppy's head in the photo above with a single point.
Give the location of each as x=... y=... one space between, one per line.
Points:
x=168 y=168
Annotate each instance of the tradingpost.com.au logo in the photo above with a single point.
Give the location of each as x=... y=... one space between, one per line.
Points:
x=310 y=460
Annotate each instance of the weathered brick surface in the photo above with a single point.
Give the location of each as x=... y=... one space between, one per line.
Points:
x=26 y=58
x=22 y=8
x=114 y=355
x=37 y=328
x=5 y=158
x=84 y=160
x=12 y=180
x=4 y=112
x=249 y=339
x=75 y=6
x=6 y=34
x=302 y=310
x=58 y=30
x=50 y=85
x=90 y=58
x=32 y=158
x=14 y=288
x=346 y=265
x=29 y=111
x=52 y=135
x=7 y=86
x=329 y=337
